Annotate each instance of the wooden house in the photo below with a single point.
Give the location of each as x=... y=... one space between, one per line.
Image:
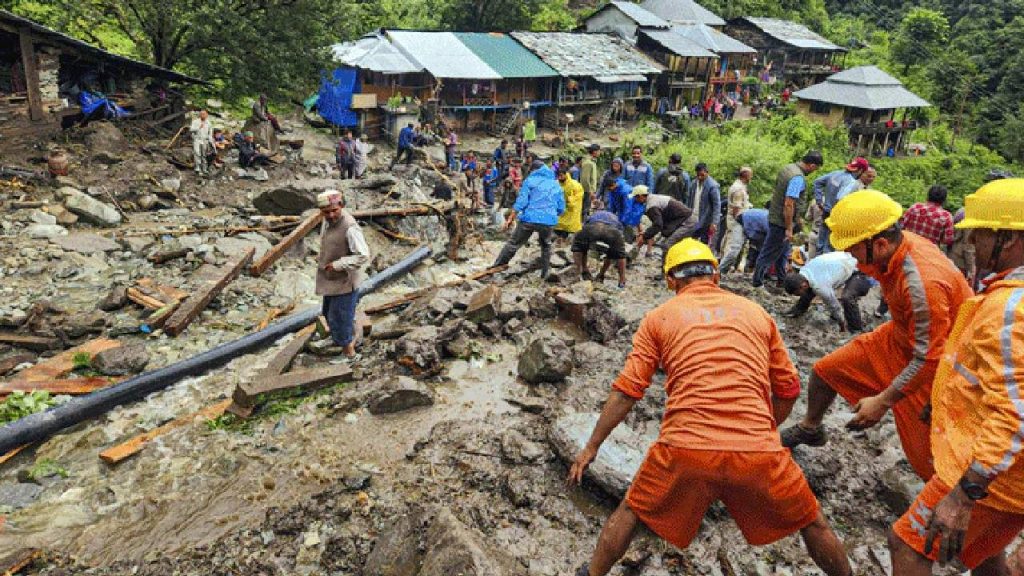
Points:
x=788 y=51
x=43 y=72
x=866 y=100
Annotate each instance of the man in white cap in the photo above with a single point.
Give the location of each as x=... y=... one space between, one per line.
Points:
x=343 y=253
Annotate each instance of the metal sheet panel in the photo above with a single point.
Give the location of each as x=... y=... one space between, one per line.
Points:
x=442 y=54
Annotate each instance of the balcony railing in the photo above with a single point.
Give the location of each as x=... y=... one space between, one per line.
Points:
x=882 y=128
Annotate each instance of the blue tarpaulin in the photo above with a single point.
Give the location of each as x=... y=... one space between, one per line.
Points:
x=335 y=100
x=91 y=101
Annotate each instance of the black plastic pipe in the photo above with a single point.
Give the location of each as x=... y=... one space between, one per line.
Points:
x=41 y=425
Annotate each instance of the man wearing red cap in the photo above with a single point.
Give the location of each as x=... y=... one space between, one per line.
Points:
x=826 y=192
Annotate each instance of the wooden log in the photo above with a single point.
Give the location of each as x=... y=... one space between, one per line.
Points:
x=421 y=210
x=157 y=319
x=28 y=64
x=13 y=453
x=72 y=386
x=417 y=294
x=205 y=293
x=246 y=392
x=280 y=362
x=273 y=314
x=126 y=449
x=146 y=301
x=63 y=363
x=161 y=257
x=272 y=255
x=18 y=561
x=29 y=341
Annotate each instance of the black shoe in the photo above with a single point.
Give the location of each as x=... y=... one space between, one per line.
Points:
x=797 y=435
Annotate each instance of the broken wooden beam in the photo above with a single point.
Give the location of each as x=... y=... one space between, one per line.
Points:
x=30 y=341
x=205 y=293
x=246 y=393
x=126 y=449
x=159 y=317
x=70 y=386
x=273 y=314
x=280 y=362
x=272 y=255
x=142 y=299
x=18 y=561
x=63 y=363
x=4 y=458
x=167 y=256
x=421 y=210
x=417 y=294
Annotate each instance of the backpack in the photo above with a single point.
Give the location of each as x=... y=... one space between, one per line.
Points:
x=345 y=153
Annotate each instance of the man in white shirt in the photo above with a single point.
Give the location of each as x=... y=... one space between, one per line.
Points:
x=823 y=277
x=202 y=142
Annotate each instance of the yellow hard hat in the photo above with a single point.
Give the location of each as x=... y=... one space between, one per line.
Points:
x=687 y=251
x=998 y=205
x=862 y=215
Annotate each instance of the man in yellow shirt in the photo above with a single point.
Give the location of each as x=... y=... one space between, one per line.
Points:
x=973 y=506
x=571 y=221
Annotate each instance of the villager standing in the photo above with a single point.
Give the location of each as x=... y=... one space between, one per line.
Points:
x=343 y=253
x=729 y=381
x=362 y=152
x=571 y=220
x=346 y=156
x=738 y=201
x=615 y=171
x=862 y=183
x=406 y=142
x=929 y=219
x=203 y=145
x=539 y=204
x=834 y=278
x=972 y=508
x=588 y=178
x=705 y=199
x=638 y=170
x=893 y=366
x=673 y=181
x=826 y=194
x=783 y=215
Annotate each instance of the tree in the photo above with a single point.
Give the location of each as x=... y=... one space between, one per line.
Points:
x=922 y=34
x=553 y=16
x=1010 y=138
x=488 y=15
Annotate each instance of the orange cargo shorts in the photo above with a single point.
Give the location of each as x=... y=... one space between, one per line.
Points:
x=866 y=366
x=765 y=493
x=989 y=532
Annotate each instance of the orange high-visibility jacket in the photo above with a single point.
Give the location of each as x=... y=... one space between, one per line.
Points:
x=978 y=412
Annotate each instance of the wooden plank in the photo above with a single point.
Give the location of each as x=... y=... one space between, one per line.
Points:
x=244 y=397
x=63 y=363
x=417 y=294
x=279 y=364
x=19 y=560
x=205 y=293
x=29 y=341
x=13 y=453
x=132 y=446
x=142 y=299
x=28 y=63
x=272 y=255
x=273 y=314
x=71 y=386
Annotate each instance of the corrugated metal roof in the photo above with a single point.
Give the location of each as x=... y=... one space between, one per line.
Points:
x=60 y=38
x=374 y=52
x=712 y=39
x=677 y=44
x=637 y=14
x=864 y=87
x=676 y=11
x=572 y=54
x=442 y=54
x=505 y=56
x=792 y=33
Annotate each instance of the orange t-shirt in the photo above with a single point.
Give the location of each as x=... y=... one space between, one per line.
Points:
x=724 y=360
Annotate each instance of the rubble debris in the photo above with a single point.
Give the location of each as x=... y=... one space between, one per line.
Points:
x=272 y=255
x=168 y=255
x=245 y=394
x=453 y=548
x=617 y=461
x=121 y=361
x=30 y=341
x=134 y=445
x=116 y=299
x=293 y=198
x=602 y=323
x=572 y=307
x=280 y=362
x=415 y=295
x=11 y=362
x=19 y=560
x=485 y=305
x=399 y=394
x=71 y=386
x=91 y=210
x=545 y=359
x=396 y=550
x=64 y=363
x=139 y=297
x=12 y=453
x=85 y=243
x=210 y=284
x=273 y=314
x=418 y=351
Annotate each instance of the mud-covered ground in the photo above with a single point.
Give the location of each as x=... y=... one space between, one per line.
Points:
x=316 y=484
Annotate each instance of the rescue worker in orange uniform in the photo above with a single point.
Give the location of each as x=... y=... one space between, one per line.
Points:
x=973 y=506
x=729 y=381
x=893 y=366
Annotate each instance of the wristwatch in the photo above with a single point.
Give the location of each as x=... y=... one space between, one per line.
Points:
x=973 y=491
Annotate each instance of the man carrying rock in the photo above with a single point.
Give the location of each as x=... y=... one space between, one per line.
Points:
x=343 y=253
x=973 y=506
x=539 y=204
x=823 y=276
x=602 y=227
x=729 y=381
x=202 y=142
x=784 y=214
x=893 y=366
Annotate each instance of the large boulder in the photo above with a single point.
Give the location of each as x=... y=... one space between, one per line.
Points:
x=85 y=243
x=453 y=548
x=619 y=458
x=545 y=359
x=419 y=351
x=292 y=198
x=484 y=305
x=92 y=210
x=45 y=231
x=105 y=137
x=399 y=394
x=121 y=361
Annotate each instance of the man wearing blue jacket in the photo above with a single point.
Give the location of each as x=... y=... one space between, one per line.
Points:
x=538 y=206
x=639 y=171
x=621 y=203
x=406 y=139
x=705 y=199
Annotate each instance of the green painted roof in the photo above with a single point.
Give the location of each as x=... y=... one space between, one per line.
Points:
x=506 y=56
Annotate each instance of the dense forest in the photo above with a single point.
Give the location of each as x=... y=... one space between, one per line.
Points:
x=966 y=57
